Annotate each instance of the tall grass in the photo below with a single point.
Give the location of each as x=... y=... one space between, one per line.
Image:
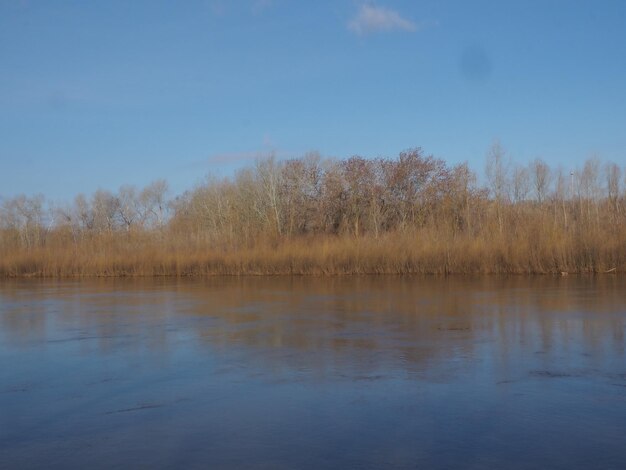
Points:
x=306 y=216
x=537 y=250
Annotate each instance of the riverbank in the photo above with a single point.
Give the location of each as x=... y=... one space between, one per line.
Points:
x=409 y=215
x=420 y=252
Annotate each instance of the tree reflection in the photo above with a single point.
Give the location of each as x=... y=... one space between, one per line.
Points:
x=320 y=326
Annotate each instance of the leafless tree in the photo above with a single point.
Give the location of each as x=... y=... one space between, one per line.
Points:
x=590 y=187
x=84 y=213
x=24 y=216
x=561 y=194
x=128 y=206
x=301 y=192
x=521 y=184
x=541 y=176
x=497 y=172
x=268 y=172
x=105 y=207
x=152 y=203
x=613 y=182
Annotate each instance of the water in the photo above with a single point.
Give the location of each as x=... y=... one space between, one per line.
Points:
x=355 y=372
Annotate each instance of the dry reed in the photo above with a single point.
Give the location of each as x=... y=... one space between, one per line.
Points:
x=308 y=217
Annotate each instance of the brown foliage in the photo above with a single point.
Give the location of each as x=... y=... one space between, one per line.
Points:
x=413 y=214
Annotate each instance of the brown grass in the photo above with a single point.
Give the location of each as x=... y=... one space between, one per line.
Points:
x=538 y=250
x=410 y=215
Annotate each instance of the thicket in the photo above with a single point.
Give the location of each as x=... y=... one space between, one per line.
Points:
x=410 y=214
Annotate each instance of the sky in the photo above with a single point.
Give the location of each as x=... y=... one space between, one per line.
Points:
x=102 y=93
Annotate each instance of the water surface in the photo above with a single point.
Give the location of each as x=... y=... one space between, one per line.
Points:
x=354 y=372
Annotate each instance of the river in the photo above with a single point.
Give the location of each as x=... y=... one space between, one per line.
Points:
x=314 y=372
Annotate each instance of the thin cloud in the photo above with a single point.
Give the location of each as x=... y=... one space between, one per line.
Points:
x=373 y=19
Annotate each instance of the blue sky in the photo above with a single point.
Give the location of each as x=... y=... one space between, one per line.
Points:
x=101 y=93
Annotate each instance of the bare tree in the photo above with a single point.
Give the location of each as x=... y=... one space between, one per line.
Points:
x=105 y=207
x=153 y=204
x=301 y=190
x=84 y=213
x=613 y=181
x=590 y=187
x=128 y=206
x=358 y=176
x=24 y=216
x=268 y=172
x=333 y=197
x=542 y=177
x=560 y=193
x=497 y=176
x=521 y=184
x=497 y=171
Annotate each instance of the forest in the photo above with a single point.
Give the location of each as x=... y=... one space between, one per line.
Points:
x=311 y=215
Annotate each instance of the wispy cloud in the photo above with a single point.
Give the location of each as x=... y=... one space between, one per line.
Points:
x=374 y=19
x=267 y=147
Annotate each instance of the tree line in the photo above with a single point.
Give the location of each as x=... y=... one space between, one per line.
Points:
x=412 y=213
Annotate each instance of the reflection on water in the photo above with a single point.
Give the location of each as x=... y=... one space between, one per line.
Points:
x=363 y=372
